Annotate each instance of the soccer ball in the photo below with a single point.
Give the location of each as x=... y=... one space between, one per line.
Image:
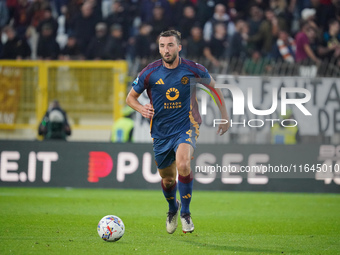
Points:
x=111 y=228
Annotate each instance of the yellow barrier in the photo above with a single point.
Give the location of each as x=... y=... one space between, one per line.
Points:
x=85 y=89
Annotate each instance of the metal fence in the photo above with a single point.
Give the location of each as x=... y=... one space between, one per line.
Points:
x=259 y=67
x=85 y=89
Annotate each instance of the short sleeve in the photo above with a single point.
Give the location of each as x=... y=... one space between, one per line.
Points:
x=304 y=40
x=138 y=85
x=203 y=73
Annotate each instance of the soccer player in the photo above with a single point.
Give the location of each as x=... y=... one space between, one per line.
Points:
x=174 y=121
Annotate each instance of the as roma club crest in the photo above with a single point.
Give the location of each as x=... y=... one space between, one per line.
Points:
x=185 y=80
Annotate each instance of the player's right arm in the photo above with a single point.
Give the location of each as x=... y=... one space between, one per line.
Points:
x=146 y=110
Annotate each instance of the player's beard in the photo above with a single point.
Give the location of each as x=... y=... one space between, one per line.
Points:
x=171 y=59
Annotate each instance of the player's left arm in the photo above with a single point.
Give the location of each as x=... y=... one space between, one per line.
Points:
x=222 y=128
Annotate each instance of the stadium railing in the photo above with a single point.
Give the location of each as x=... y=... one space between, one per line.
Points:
x=263 y=67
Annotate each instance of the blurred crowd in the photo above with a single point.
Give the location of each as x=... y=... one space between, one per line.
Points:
x=293 y=31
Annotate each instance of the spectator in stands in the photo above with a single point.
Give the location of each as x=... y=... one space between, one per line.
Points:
x=54 y=125
x=284 y=48
x=238 y=43
x=15 y=47
x=262 y=4
x=216 y=48
x=71 y=50
x=205 y=9
x=309 y=15
x=142 y=44
x=304 y=52
x=177 y=10
x=132 y=7
x=147 y=16
x=37 y=11
x=4 y=14
x=73 y=9
x=187 y=22
x=119 y=15
x=62 y=27
x=196 y=44
x=282 y=10
x=48 y=48
x=220 y=16
x=325 y=11
x=115 y=47
x=232 y=11
x=328 y=49
x=11 y=5
x=83 y=26
x=97 y=8
x=256 y=65
x=96 y=47
x=331 y=40
x=238 y=49
x=59 y=5
x=50 y=20
x=254 y=22
x=122 y=129
x=332 y=36
x=241 y=7
x=21 y=17
x=300 y=5
x=268 y=32
x=159 y=22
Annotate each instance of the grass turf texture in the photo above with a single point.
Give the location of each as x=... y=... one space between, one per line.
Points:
x=64 y=221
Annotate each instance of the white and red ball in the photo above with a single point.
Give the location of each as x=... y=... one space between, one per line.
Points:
x=111 y=228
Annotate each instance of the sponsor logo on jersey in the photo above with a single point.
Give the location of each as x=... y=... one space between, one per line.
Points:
x=172 y=94
x=160 y=81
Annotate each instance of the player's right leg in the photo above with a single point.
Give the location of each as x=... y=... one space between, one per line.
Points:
x=165 y=160
x=169 y=187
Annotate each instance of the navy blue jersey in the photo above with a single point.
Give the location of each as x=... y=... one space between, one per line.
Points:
x=172 y=95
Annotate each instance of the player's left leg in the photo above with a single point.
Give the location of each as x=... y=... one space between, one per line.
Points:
x=185 y=183
x=169 y=187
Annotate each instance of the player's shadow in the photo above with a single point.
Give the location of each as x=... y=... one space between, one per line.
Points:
x=236 y=248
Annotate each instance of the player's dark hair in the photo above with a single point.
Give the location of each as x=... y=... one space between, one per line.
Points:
x=174 y=33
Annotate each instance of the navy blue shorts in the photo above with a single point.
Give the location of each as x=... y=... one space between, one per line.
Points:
x=165 y=149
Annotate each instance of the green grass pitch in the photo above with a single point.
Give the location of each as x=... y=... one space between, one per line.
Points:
x=64 y=221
